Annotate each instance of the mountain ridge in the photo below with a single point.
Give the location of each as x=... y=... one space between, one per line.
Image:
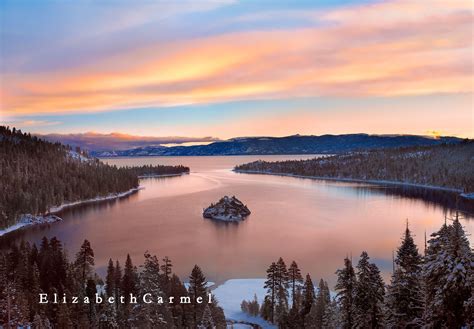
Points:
x=294 y=144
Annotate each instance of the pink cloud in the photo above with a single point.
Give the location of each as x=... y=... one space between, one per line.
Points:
x=382 y=49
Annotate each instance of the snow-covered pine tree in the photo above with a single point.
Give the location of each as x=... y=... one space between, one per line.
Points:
x=369 y=295
x=345 y=287
x=151 y=315
x=322 y=301
x=469 y=304
x=331 y=317
x=271 y=284
x=404 y=299
x=447 y=271
x=207 y=322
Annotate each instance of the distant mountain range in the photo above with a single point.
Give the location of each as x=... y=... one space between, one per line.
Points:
x=325 y=144
x=95 y=142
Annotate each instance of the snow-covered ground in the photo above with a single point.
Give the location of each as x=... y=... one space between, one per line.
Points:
x=209 y=285
x=78 y=156
x=230 y=295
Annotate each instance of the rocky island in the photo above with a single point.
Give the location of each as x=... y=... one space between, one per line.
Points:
x=227 y=209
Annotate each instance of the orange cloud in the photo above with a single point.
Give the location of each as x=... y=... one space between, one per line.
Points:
x=383 y=49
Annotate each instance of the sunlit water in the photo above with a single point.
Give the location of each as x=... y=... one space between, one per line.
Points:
x=316 y=223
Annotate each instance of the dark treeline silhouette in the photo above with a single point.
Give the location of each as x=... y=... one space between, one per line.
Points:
x=434 y=290
x=447 y=165
x=36 y=175
x=157 y=170
x=26 y=271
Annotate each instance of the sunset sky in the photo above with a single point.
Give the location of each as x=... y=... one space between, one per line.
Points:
x=238 y=68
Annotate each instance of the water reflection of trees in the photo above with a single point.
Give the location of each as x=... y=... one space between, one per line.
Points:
x=448 y=201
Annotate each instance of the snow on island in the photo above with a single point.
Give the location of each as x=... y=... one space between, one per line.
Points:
x=228 y=209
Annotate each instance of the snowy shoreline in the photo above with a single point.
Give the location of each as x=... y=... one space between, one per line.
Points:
x=232 y=292
x=49 y=217
x=368 y=181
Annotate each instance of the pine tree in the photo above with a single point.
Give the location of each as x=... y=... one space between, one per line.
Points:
x=369 y=294
x=167 y=267
x=177 y=290
x=331 y=318
x=197 y=288
x=405 y=300
x=149 y=314
x=207 y=322
x=271 y=284
x=85 y=261
x=117 y=283
x=311 y=319
x=130 y=286
x=90 y=293
x=281 y=308
x=292 y=320
x=308 y=296
x=129 y=279
x=322 y=301
x=295 y=279
x=447 y=271
x=110 y=279
x=345 y=287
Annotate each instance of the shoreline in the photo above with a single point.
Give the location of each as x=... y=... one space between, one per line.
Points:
x=469 y=196
x=46 y=218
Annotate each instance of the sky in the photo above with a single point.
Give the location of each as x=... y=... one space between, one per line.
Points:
x=237 y=68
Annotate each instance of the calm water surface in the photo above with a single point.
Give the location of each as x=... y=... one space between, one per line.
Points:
x=316 y=223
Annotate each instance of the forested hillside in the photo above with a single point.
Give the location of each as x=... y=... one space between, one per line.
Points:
x=447 y=166
x=26 y=271
x=36 y=175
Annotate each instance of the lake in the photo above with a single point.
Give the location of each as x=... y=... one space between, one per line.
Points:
x=316 y=223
